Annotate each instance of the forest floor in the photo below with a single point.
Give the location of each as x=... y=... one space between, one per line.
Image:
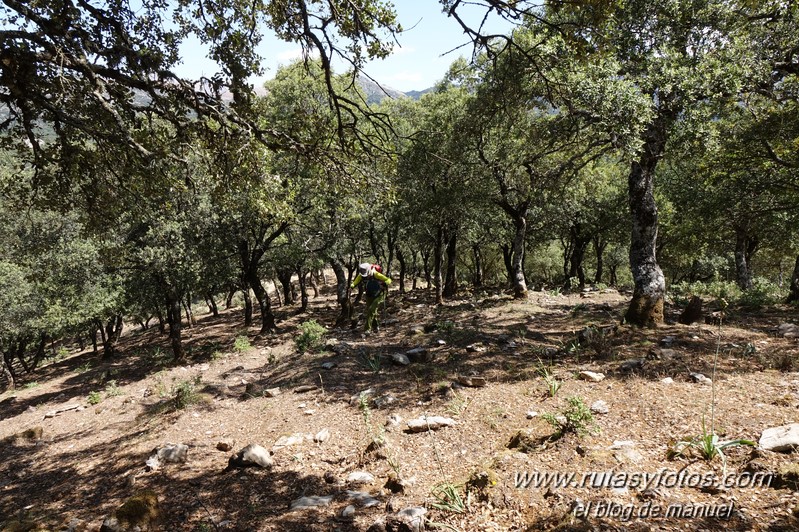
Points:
x=87 y=461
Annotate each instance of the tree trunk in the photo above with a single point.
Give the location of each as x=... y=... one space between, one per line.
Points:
x=264 y=303
x=426 y=268
x=303 y=290
x=212 y=305
x=507 y=253
x=401 y=259
x=174 y=317
x=284 y=276
x=39 y=356
x=313 y=283
x=247 y=306
x=438 y=259
x=599 y=248
x=277 y=293
x=517 y=259
x=93 y=336
x=229 y=298
x=646 y=307
x=113 y=330
x=578 y=245
x=745 y=246
x=161 y=322
x=414 y=270
x=189 y=317
x=451 y=282
x=8 y=369
x=793 y=294
x=342 y=293
x=477 y=280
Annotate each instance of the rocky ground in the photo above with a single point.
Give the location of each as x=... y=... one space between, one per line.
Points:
x=441 y=420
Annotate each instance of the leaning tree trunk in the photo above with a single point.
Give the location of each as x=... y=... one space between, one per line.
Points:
x=212 y=305
x=111 y=334
x=793 y=294
x=264 y=303
x=342 y=293
x=599 y=248
x=284 y=276
x=507 y=253
x=646 y=307
x=451 y=279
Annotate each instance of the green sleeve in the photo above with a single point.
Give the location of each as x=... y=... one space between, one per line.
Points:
x=356 y=281
x=380 y=277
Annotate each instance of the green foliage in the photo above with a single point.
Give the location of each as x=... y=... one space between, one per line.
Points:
x=185 y=394
x=762 y=293
x=30 y=385
x=112 y=389
x=372 y=362
x=448 y=498
x=241 y=344
x=575 y=418
x=707 y=444
x=311 y=336
x=94 y=398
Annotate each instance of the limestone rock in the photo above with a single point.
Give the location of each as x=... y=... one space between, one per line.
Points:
x=425 y=423
x=173 y=453
x=360 y=477
x=271 y=392
x=788 y=330
x=322 y=436
x=400 y=359
x=420 y=355
x=780 y=439
x=600 y=407
x=314 y=501
x=592 y=376
x=252 y=455
x=701 y=379
x=475 y=382
x=362 y=498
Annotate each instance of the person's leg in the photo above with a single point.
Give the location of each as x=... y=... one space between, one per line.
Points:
x=371 y=310
x=378 y=301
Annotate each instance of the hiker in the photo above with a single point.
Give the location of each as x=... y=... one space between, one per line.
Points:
x=375 y=289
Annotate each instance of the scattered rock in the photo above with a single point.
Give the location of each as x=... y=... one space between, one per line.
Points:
x=384 y=400
x=788 y=330
x=140 y=512
x=426 y=423
x=287 y=441
x=400 y=359
x=62 y=409
x=361 y=497
x=272 y=392
x=475 y=348
x=531 y=414
x=701 y=379
x=253 y=389
x=591 y=376
x=304 y=388
x=414 y=517
x=693 y=312
x=634 y=364
x=252 y=455
x=393 y=420
x=420 y=355
x=173 y=453
x=474 y=382
x=780 y=439
x=328 y=365
x=600 y=407
x=441 y=343
x=667 y=380
x=348 y=512
x=314 y=501
x=360 y=477
x=667 y=341
x=322 y=436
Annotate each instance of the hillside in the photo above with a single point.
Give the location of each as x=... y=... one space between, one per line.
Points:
x=80 y=435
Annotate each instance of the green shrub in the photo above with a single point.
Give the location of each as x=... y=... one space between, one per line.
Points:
x=241 y=344
x=576 y=418
x=763 y=292
x=311 y=336
x=185 y=393
x=112 y=389
x=94 y=398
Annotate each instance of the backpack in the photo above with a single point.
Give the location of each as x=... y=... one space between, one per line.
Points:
x=373 y=286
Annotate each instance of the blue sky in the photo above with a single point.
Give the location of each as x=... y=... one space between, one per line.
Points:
x=417 y=62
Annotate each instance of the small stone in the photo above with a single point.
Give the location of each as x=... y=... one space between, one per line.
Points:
x=475 y=349
x=414 y=517
x=600 y=407
x=474 y=382
x=271 y=392
x=304 y=388
x=591 y=376
x=328 y=365
x=531 y=414
x=780 y=439
x=635 y=364
x=176 y=454
x=426 y=423
x=322 y=436
x=311 y=502
x=287 y=441
x=420 y=355
x=667 y=341
x=224 y=446
x=440 y=342
x=360 y=477
x=400 y=359
x=309 y=412
x=667 y=380
x=362 y=498
x=701 y=379
x=348 y=512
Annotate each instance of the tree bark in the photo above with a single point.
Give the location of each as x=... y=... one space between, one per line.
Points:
x=599 y=249
x=793 y=294
x=745 y=247
x=578 y=245
x=313 y=283
x=174 y=317
x=646 y=307
x=477 y=280
x=247 y=305
x=277 y=293
x=342 y=293
x=212 y=305
x=517 y=256
x=187 y=308
x=229 y=298
x=507 y=253
x=426 y=268
x=438 y=258
x=284 y=276
x=303 y=290
x=451 y=280
x=264 y=304
x=111 y=334
x=8 y=369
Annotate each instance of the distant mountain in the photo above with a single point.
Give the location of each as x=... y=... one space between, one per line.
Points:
x=418 y=94
x=375 y=93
